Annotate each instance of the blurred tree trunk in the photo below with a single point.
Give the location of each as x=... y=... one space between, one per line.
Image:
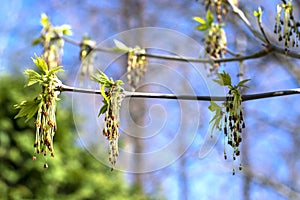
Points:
x=246 y=162
x=183 y=180
x=133 y=17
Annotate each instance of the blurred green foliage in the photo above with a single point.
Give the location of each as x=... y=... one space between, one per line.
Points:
x=72 y=174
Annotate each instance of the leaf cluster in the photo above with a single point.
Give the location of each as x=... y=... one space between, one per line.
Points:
x=87 y=56
x=205 y=24
x=258 y=14
x=224 y=79
x=234 y=99
x=112 y=97
x=28 y=109
x=216 y=121
x=235 y=96
x=51 y=32
x=107 y=84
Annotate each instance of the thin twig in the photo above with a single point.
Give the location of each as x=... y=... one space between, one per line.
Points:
x=278 y=187
x=243 y=17
x=232 y=53
x=289 y=53
x=269 y=48
x=263 y=32
x=180 y=58
x=248 y=97
x=255 y=55
x=76 y=43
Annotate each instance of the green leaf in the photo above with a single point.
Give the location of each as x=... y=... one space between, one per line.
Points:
x=215 y=121
x=101 y=78
x=37 y=41
x=119 y=82
x=209 y=17
x=40 y=63
x=66 y=29
x=103 y=109
x=56 y=69
x=242 y=83
x=106 y=99
x=88 y=42
x=214 y=107
x=201 y=27
x=121 y=46
x=224 y=79
x=44 y=20
x=33 y=77
x=27 y=109
x=258 y=14
x=200 y=20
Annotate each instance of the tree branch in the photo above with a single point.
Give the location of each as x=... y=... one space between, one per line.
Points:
x=243 y=17
x=278 y=187
x=255 y=55
x=247 y=97
x=261 y=53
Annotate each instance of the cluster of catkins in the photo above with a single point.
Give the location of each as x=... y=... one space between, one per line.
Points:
x=216 y=44
x=87 y=57
x=219 y=6
x=233 y=125
x=46 y=121
x=52 y=52
x=112 y=122
x=136 y=65
x=53 y=46
x=286 y=27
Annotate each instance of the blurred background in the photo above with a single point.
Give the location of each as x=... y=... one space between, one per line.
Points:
x=270 y=154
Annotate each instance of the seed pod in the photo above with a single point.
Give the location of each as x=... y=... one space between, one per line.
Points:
x=225 y=131
x=239 y=139
x=237 y=152
x=243 y=125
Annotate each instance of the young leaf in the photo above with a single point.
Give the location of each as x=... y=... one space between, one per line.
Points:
x=201 y=27
x=258 y=12
x=56 y=69
x=242 y=83
x=209 y=17
x=103 y=109
x=214 y=107
x=27 y=109
x=119 y=82
x=200 y=20
x=215 y=121
x=37 y=41
x=44 y=20
x=40 y=63
x=66 y=29
x=33 y=77
x=121 y=46
x=101 y=78
x=104 y=95
x=224 y=79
